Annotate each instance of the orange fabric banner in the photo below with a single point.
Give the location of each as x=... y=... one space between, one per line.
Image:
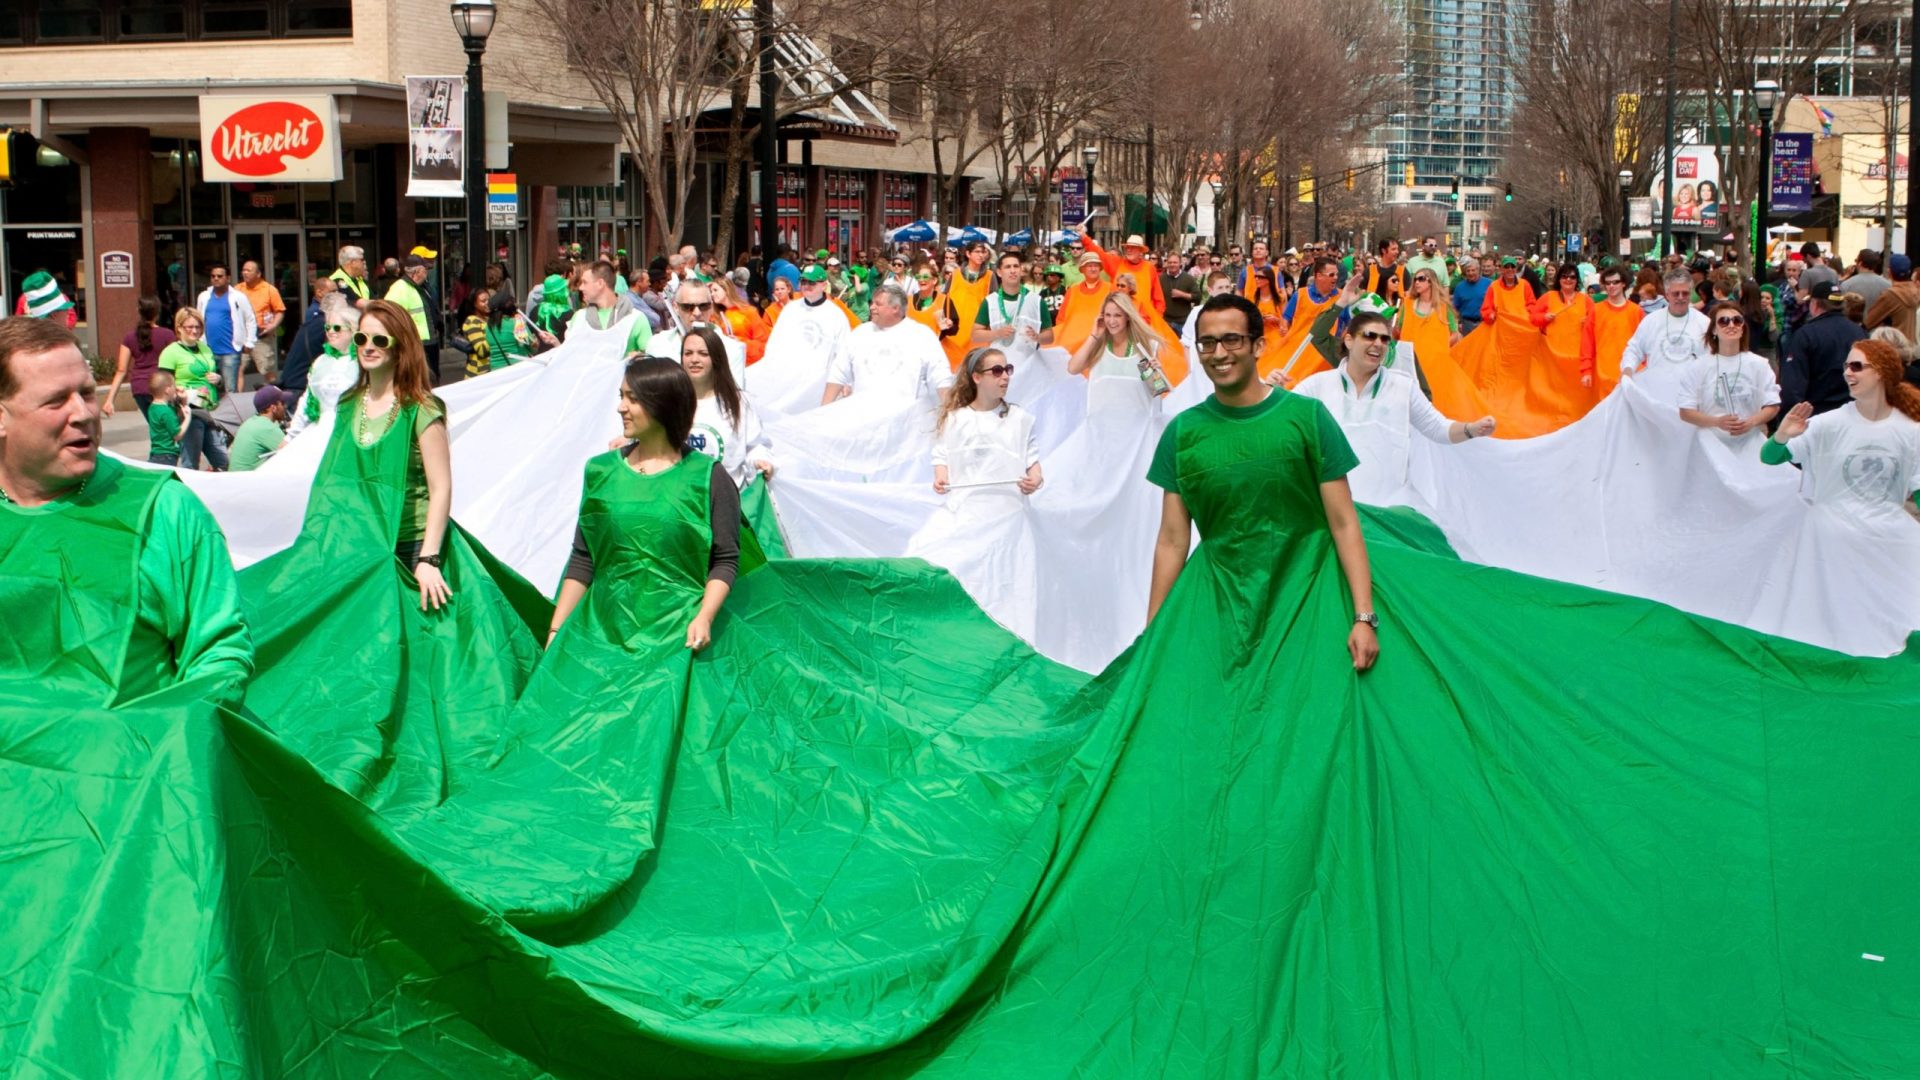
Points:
x=1529 y=389
x=1452 y=392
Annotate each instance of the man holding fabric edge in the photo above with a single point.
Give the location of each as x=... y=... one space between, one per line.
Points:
x=125 y=571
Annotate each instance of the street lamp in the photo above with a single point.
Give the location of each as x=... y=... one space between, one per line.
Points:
x=1089 y=156
x=473 y=21
x=1766 y=94
x=1219 y=187
x=1626 y=215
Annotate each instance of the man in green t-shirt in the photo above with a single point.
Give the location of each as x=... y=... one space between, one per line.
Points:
x=263 y=432
x=122 y=574
x=1013 y=308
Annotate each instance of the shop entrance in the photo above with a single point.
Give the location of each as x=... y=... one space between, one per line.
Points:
x=277 y=248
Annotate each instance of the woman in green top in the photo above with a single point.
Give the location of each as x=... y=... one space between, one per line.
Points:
x=395 y=394
x=198 y=376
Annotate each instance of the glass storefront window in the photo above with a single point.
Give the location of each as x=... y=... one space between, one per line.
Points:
x=206 y=202
x=169 y=194
x=318 y=202
x=58 y=251
x=321 y=249
x=52 y=196
x=264 y=202
x=170 y=260
x=359 y=204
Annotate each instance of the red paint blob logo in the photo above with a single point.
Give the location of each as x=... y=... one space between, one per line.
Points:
x=257 y=140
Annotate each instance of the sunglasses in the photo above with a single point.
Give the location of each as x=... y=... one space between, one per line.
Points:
x=1375 y=335
x=708 y=306
x=337 y=328
x=378 y=341
x=997 y=370
x=1232 y=343
x=1729 y=320
x=1856 y=366
x=924 y=278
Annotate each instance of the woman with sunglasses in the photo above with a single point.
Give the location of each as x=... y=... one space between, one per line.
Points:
x=1379 y=407
x=1562 y=316
x=196 y=373
x=929 y=305
x=391 y=415
x=1734 y=393
x=986 y=462
x=1121 y=354
x=899 y=274
x=333 y=371
x=1860 y=471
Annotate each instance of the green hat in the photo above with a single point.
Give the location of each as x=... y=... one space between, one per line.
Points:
x=1058 y=269
x=823 y=254
x=555 y=304
x=43 y=295
x=814 y=273
x=1372 y=305
x=1509 y=261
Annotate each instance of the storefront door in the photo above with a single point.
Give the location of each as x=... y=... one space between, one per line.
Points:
x=277 y=249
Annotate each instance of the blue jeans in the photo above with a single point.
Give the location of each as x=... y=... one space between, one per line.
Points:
x=229 y=372
x=202 y=435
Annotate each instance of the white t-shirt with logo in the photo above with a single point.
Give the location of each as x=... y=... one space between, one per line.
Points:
x=1731 y=386
x=1865 y=468
x=735 y=446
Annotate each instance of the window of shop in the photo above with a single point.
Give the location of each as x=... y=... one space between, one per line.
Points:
x=846 y=219
x=902 y=200
x=42 y=231
x=603 y=219
x=790 y=204
x=82 y=22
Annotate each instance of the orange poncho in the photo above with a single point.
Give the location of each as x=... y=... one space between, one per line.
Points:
x=1528 y=389
x=1261 y=287
x=1431 y=337
x=966 y=296
x=1146 y=276
x=1296 y=354
x=752 y=328
x=1607 y=332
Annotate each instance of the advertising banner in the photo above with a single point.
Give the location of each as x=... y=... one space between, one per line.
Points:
x=253 y=139
x=436 y=151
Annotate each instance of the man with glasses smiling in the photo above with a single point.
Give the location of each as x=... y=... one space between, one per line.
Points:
x=692 y=305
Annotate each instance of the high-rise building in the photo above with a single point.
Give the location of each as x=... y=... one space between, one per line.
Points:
x=1457 y=104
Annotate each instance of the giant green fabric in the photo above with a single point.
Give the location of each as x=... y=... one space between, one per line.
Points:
x=1555 y=832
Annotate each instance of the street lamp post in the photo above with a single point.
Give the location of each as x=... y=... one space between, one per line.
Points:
x=1626 y=215
x=1766 y=94
x=1219 y=228
x=1148 y=230
x=473 y=21
x=1089 y=156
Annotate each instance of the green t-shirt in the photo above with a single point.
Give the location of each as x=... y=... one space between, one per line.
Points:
x=163 y=430
x=413 y=513
x=190 y=366
x=257 y=438
x=1010 y=306
x=1333 y=457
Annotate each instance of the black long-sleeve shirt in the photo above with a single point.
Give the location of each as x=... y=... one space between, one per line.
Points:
x=723 y=510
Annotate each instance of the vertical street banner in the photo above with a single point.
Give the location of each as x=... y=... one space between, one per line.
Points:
x=1073 y=201
x=1791 y=174
x=436 y=151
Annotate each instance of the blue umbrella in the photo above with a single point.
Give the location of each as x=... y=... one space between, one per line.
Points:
x=969 y=235
x=920 y=232
x=1020 y=239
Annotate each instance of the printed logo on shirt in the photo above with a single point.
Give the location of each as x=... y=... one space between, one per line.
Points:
x=1873 y=473
x=706 y=439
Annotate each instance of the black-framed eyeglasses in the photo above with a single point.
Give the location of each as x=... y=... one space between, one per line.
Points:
x=378 y=341
x=1232 y=343
x=997 y=370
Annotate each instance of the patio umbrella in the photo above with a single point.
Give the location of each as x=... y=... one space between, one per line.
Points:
x=919 y=232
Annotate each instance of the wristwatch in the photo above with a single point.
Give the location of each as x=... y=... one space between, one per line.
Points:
x=1369 y=618
x=431 y=560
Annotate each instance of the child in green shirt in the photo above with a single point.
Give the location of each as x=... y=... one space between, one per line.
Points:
x=165 y=417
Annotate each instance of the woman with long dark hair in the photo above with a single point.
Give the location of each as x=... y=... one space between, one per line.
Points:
x=725 y=426
x=139 y=356
x=654 y=516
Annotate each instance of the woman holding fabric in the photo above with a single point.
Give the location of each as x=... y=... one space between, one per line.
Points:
x=725 y=427
x=1734 y=394
x=1860 y=470
x=985 y=463
x=197 y=374
x=1122 y=347
x=654 y=515
x=1426 y=320
x=1379 y=408
x=334 y=370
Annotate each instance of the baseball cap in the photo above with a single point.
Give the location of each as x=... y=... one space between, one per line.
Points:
x=412 y=261
x=424 y=252
x=268 y=396
x=815 y=272
x=1899 y=265
x=833 y=260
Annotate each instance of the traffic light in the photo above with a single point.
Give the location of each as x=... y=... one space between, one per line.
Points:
x=1454 y=195
x=1409 y=174
x=1349 y=179
x=1509 y=192
x=18 y=156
